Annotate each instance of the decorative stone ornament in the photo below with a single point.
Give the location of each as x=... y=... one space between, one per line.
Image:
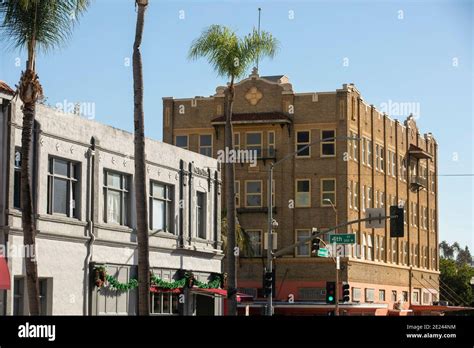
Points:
x=253 y=96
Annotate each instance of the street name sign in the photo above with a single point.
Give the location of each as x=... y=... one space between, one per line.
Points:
x=342 y=238
x=323 y=252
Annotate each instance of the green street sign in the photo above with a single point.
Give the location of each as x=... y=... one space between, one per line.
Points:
x=323 y=252
x=340 y=238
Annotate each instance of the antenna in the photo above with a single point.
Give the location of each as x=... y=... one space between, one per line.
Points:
x=259 y=13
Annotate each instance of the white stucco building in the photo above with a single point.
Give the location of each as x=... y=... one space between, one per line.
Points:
x=84 y=206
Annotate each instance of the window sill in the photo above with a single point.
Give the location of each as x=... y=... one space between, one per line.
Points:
x=162 y=234
x=114 y=227
x=61 y=218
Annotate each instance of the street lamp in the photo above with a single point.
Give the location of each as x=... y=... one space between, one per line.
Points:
x=269 y=309
x=327 y=200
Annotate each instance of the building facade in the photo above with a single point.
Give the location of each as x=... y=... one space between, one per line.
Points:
x=331 y=182
x=83 y=194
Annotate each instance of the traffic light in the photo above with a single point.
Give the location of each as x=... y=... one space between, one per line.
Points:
x=331 y=292
x=396 y=223
x=346 y=292
x=315 y=244
x=269 y=283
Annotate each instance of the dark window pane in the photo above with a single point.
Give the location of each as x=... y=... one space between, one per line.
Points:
x=205 y=140
x=303 y=137
x=18 y=158
x=60 y=167
x=254 y=201
x=254 y=138
x=328 y=149
x=60 y=196
x=329 y=185
x=304 y=152
x=182 y=141
x=17 y=190
x=157 y=303
x=328 y=134
x=166 y=303
x=113 y=180
x=303 y=186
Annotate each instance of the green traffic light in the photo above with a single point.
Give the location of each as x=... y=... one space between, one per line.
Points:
x=330 y=298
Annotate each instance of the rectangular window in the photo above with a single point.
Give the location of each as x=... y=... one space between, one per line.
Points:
x=164 y=303
x=116 y=198
x=389 y=167
x=181 y=141
x=426 y=298
x=405 y=296
x=394 y=173
x=349 y=193
x=369 y=197
x=18 y=295
x=377 y=157
x=363 y=146
x=356 y=294
x=369 y=247
x=382 y=248
x=271 y=144
x=236 y=141
x=382 y=199
x=405 y=253
x=205 y=144
x=416 y=296
x=363 y=249
x=382 y=158
x=432 y=180
x=376 y=199
x=376 y=248
x=356 y=195
x=201 y=214
x=237 y=193
x=303 y=139
x=415 y=214
x=328 y=192
x=369 y=295
x=43 y=295
x=161 y=207
x=394 y=296
x=355 y=149
x=394 y=250
x=254 y=143
x=369 y=153
x=305 y=249
x=382 y=295
x=253 y=193
x=328 y=143
x=63 y=187
x=17 y=179
x=363 y=198
x=255 y=238
x=303 y=193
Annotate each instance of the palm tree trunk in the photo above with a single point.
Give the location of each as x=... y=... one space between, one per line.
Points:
x=29 y=90
x=230 y=197
x=140 y=176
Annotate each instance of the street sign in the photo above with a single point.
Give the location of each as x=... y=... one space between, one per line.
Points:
x=323 y=252
x=375 y=213
x=342 y=238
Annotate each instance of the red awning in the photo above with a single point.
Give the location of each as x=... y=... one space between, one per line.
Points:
x=156 y=289
x=4 y=274
x=221 y=292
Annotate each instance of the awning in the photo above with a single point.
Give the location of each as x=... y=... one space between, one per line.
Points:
x=4 y=274
x=433 y=308
x=156 y=289
x=223 y=293
x=418 y=152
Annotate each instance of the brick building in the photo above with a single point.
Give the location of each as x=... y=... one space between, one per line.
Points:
x=330 y=182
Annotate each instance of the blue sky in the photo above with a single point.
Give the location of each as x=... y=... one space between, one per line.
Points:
x=399 y=51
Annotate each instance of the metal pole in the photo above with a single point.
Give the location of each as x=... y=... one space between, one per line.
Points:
x=338 y=260
x=270 y=238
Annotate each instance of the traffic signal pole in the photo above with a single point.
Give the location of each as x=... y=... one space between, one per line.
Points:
x=269 y=310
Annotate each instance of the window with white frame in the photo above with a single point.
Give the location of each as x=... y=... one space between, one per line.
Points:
x=363 y=249
x=201 y=214
x=328 y=192
x=164 y=303
x=369 y=247
x=303 y=193
x=349 y=193
x=393 y=164
x=237 y=141
x=182 y=141
x=63 y=187
x=273 y=192
x=356 y=294
x=382 y=158
x=161 y=207
x=377 y=157
x=394 y=250
x=254 y=142
x=363 y=146
x=369 y=295
x=303 y=250
x=116 y=198
x=381 y=295
x=17 y=179
x=363 y=198
x=415 y=214
x=255 y=238
x=416 y=296
x=253 y=193
x=271 y=144
x=303 y=138
x=328 y=143
x=432 y=180
x=205 y=144
x=389 y=167
x=355 y=150
x=394 y=296
x=405 y=253
x=376 y=248
x=426 y=298
x=237 y=193
x=382 y=248
x=369 y=197
x=369 y=153
x=356 y=195
x=376 y=205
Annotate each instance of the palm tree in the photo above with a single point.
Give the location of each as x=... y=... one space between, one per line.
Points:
x=34 y=24
x=231 y=57
x=140 y=176
x=242 y=238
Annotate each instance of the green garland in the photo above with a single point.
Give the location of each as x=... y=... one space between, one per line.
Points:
x=187 y=280
x=116 y=285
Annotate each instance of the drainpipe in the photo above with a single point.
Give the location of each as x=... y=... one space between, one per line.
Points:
x=90 y=226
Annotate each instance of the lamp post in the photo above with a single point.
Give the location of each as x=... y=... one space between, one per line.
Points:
x=336 y=312
x=269 y=309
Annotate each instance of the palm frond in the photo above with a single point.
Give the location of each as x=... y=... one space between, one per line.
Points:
x=45 y=23
x=229 y=55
